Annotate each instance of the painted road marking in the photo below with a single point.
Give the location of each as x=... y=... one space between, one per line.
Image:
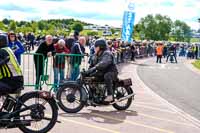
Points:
x=133 y=123
x=153 y=104
x=88 y=125
x=163 y=67
x=157 y=109
x=163 y=119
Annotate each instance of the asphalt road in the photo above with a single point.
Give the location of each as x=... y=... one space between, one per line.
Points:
x=174 y=82
x=147 y=113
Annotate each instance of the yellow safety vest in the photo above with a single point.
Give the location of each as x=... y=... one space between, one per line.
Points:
x=12 y=67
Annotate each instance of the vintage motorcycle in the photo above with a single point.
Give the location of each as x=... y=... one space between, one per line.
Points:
x=33 y=112
x=72 y=96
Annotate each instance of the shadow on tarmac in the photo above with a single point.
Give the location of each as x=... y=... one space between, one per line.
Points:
x=110 y=117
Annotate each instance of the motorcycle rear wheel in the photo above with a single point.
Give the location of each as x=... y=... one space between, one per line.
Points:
x=122 y=92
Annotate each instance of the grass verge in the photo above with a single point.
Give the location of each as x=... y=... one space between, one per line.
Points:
x=196 y=64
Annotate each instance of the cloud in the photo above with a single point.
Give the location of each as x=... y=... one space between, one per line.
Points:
x=14 y=7
x=86 y=14
x=55 y=0
x=167 y=3
x=99 y=11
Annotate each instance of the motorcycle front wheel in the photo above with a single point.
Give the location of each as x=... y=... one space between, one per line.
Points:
x=42 y=115
x=69 y=98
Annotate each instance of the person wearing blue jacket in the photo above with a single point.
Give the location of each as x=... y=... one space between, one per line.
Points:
x=16 y=46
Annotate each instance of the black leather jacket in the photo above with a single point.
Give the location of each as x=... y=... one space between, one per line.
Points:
x=104 y=63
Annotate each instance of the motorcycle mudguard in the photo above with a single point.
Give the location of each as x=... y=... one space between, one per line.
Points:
x=125 y=82
x=131 y=90
x=43 y=94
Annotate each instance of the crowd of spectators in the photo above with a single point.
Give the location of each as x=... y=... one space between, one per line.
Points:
x=75 y=44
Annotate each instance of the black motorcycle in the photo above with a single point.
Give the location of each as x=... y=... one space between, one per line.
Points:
x=33 y=112
x=72 y=96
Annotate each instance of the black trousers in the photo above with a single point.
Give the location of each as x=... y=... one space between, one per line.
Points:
x=9 y=85
x=122 y=57
x=133 y=56
x=39 y=69
x=32 y=44
x=196 y=55
x=109 y=79
x=159 y=59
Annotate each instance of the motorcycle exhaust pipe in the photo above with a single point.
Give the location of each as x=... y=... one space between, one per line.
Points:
x=124 y=98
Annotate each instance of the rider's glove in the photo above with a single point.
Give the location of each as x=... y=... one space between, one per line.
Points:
x=91 y=70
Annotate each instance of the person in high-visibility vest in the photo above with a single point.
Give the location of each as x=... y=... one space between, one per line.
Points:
x=159 y=52
x=11 y=78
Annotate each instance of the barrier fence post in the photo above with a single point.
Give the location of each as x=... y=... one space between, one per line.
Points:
x=32 y=69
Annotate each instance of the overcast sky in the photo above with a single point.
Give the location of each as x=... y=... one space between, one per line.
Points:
x=99 y=11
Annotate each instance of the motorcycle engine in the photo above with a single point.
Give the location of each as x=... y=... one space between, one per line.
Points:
x=99 y=92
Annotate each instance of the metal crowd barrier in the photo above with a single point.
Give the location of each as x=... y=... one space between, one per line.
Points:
x=29 y=69
x=39 y=71
x=125 y=54
x=62 y=65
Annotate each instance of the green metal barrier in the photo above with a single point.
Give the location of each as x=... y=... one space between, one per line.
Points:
x=51 y=71
x=33 y=66
x=60 y=67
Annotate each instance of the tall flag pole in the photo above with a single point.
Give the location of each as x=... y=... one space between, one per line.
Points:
x=128 y=21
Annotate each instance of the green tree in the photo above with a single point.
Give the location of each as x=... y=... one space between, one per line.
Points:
x=181 y=31
x=6 y=21
x=12 y=26
x=21 y=23
x=113 y=31
x=155 y=28
x=41 y=25
x=147 y=27
x=77 y=27
x=34 y=26
x=2 y=26
x=163 y=27
x=92 y=33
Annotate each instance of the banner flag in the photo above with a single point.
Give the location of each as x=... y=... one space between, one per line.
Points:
x=128 y=21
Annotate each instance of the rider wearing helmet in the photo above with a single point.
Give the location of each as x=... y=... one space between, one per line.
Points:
x=11 y=78
x=103 y=66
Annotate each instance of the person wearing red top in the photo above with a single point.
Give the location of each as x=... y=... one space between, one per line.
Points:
x=59 y=62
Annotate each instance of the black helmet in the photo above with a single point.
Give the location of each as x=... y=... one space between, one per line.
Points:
x=101 y=43
x=3 y=40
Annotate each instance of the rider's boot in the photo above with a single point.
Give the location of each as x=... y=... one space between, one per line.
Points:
x=109 y=98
